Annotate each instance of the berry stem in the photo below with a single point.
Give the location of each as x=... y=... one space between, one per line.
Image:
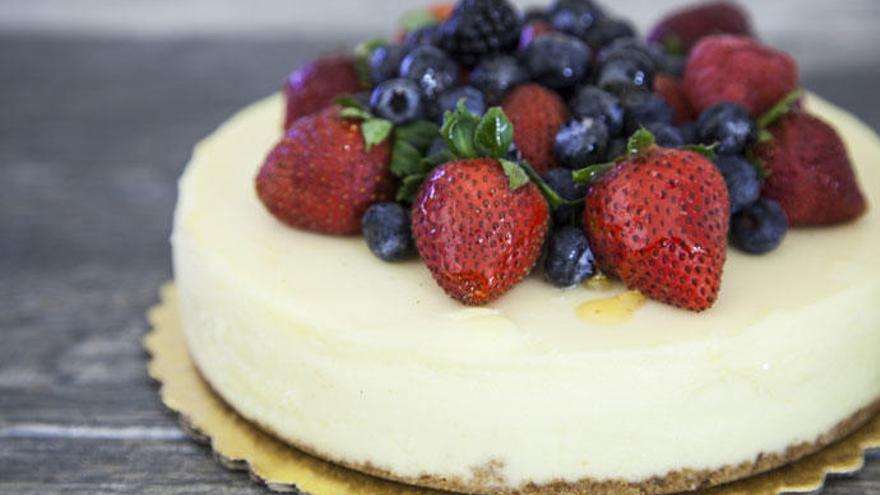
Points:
x=590 y=174
x=552 y=197
x=779 y=110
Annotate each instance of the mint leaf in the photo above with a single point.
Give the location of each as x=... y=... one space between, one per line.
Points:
x=641 y=140
x=405 y=159
x=420 y=134
x=415 y=19
x=409 y=186
x=515 y=174
x=591 y=174
x=355 y=113
x=702 y=149
x=494 y=133
x=785 y=105
x=458 y=129
x=375 y=131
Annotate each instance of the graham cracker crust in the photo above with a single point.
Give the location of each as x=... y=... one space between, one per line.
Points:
x=487 y=479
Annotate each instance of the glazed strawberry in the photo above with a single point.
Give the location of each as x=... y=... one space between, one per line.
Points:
x=478 y=237
x=737 y=69
x=317 y=84
x=681 y=30
x=672 y=92
x=658 y=220
x=810 y=172
x=321 y=177
x=537 y=114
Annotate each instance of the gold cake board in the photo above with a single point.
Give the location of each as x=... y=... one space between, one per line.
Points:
x=238 y=444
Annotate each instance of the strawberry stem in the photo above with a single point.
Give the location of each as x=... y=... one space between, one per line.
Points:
x=779 y=110
x=553 y=198
x=591 y=174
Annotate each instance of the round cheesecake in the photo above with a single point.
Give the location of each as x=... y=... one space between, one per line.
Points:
x=370 y=365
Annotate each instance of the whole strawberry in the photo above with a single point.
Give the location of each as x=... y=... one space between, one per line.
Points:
x=658 y=220
x=322 y=177
x=810 y=173
x=738 y=69
x=681 y=30
x=317 y=84
x=537 y=113
x=478 y=222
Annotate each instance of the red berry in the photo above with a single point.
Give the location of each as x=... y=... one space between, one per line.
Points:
x=537 y=113
x=670 y=89
x=320 y=177
x=659 y=221
x=317 y=84
x=477 y=236
x=739 y=70
x=682 y=29
x=810 y=172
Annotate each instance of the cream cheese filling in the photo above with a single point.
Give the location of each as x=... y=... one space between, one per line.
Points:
x=367 y=362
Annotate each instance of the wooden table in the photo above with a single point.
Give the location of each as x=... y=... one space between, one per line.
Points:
x=93 y=135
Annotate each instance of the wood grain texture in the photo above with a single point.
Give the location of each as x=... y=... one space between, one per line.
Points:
x=93 y=135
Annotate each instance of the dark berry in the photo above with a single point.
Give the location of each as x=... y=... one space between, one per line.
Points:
x=689 y=132
x=497 y=75
x=727 y=124
x=575 y=17
x=741 y=177
x=386 y=228
x=623 y=74
x=432 y=69
x=581 y=143
x=643 y=108
x=666 y=135
x=760 y=227
x=561 y=181
x=629 y=49
x=616 y=149
x=385 y=62
x=532 y=14
x=472 y=97
x=557 y=60
x=590 y=101
x=438 y=146
x=667 y=63
x=608 y=30
x=425 y=35
x=570 y=260
x=398 y=100
x=478 y=28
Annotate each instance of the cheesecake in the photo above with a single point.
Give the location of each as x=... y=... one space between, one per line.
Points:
x=586 y=389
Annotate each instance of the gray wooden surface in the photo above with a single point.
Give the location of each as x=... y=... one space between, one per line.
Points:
x=93 y=134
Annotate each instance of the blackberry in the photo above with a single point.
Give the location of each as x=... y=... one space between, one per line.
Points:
x=478 y=28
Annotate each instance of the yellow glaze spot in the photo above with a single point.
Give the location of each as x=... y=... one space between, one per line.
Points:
x=611 y=310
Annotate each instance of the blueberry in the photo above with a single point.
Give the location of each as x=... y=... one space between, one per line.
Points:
x=616 y=149
x=628 y=49
x=689 y=132
x=643 y=108
x=741 y=177
x=497 y=75
x=532 y=14
x=473 y=100
x=386 y=228
x=667 y=63
x=608 y=30
x=575 y=17
x=727 y=124
x=385 y=62
x=432 y=69
x=557 y=61
x=590 y=101
x=760 y=227
x=666 y=135
x=582 y=142
x=570 y=260
x=561 y=181
x=425 y=35
x=623 y=74
x=398 y=100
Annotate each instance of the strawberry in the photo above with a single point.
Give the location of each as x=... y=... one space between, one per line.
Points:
x=317 y=84
x=478 y=237
x=739 y=70
x=810 y=172
x=537 y=114
x=679 y=31
x=670 y=89
x=321 y=176
x=658 y=219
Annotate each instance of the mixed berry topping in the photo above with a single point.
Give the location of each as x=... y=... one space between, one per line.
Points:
x=484 y=140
